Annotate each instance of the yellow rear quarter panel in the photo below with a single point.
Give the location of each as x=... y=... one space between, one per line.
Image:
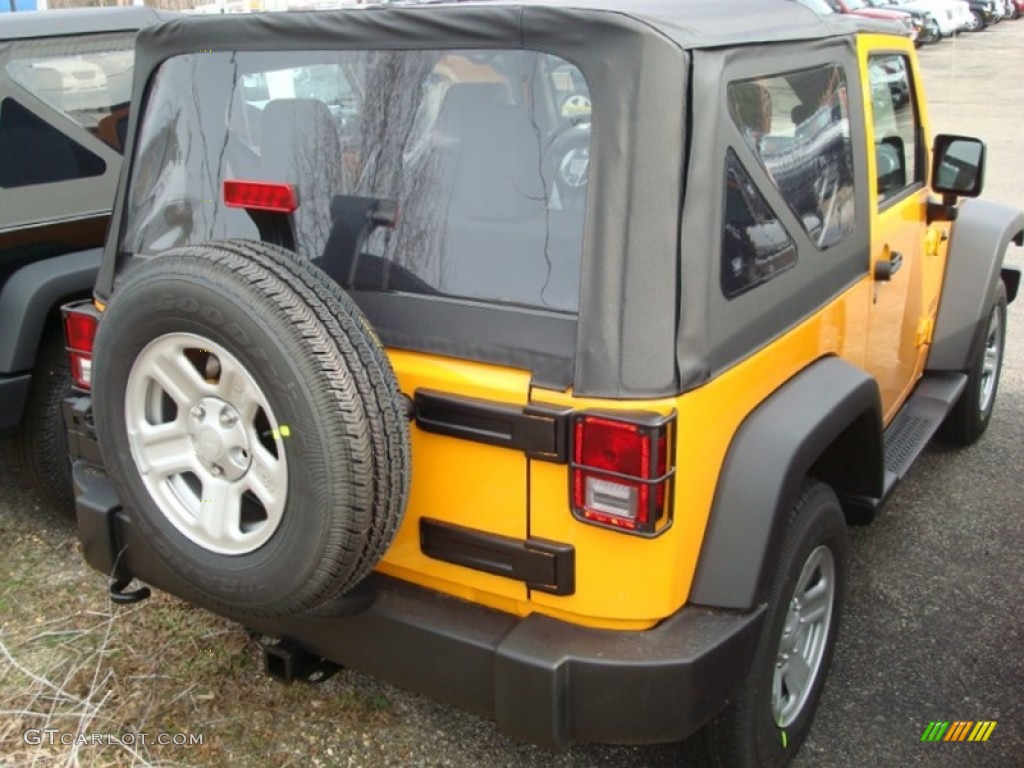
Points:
x=625 y=581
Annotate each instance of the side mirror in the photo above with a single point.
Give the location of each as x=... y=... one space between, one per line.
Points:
x=958 y=165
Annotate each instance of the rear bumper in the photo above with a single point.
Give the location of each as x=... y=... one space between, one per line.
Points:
x=542 y=680
x=81 y=435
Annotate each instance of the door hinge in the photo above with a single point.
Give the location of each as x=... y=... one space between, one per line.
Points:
x=923 y=334
x=933 y=240
x=540 y=431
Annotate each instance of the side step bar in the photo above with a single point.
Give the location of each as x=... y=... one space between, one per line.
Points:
x=908 y=434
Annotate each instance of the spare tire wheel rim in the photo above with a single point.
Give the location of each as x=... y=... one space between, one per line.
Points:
x=206 y=443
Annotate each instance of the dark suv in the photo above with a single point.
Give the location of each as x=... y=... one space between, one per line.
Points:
x=65 y=84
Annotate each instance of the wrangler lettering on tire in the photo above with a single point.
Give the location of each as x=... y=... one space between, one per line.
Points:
x=254 y=424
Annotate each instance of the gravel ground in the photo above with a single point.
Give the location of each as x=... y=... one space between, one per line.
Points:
x=933 y=628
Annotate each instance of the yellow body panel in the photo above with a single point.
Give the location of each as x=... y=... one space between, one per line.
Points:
x=632 y=582
x=904 y=308
x=622 y=577
x=622 y=581
x=461 y=482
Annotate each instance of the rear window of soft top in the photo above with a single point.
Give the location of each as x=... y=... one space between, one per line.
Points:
x=485 y=153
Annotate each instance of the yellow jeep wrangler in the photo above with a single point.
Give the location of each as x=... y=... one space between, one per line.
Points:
x=533 y=355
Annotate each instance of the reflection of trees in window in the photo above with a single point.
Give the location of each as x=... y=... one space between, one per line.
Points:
x=301 y=146
x=461 y=141
x=158 y=163
x=393 y=94
x=537 y=76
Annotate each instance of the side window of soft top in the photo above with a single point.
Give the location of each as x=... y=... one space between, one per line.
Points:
x=87 y=78
x=797 y=125
x=34 y=152
x=755 y=245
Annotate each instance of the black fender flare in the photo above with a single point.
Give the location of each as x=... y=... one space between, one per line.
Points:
x=981 y=235
x=29 y=297
x=783 y=441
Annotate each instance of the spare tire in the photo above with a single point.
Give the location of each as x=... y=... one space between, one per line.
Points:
x=252 y=425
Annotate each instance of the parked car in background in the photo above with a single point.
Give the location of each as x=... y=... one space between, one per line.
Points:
x=983 y=13
x=953 y=16
x=905 y=21
x=65 y=84
x=929 y=28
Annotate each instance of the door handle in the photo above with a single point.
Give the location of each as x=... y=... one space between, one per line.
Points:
x=884 y=270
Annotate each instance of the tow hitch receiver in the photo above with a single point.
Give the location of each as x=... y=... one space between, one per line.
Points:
x=286 y=661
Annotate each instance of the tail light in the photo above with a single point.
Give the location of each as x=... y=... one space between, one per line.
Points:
x=267 y=196
x=621 y=471
x=80 y=324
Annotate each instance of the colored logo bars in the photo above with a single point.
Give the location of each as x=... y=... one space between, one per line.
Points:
x=958 y=730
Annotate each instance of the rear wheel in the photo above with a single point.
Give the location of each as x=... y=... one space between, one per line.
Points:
x=970 y=416
x=41 y=443
x=772 y=714
x=253 y=426
x=977 y=22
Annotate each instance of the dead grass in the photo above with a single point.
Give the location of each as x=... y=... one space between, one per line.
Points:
x=72 y=661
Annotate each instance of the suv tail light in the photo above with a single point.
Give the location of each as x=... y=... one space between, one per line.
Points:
x=80 y=324
x=621 y=471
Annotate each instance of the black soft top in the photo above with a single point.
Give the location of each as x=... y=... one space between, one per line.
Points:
x=689 y=23
x=715 y=23
x=77 y=21
x=636 y=57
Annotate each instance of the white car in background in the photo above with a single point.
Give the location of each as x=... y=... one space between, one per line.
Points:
x=953 y=16
x=939 y=10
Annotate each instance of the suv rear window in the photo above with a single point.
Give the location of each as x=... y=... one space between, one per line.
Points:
x=88 y=78
x=485 y=153
x=34 y=152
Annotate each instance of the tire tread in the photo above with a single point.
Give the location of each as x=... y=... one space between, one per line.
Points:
x=40 y=443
